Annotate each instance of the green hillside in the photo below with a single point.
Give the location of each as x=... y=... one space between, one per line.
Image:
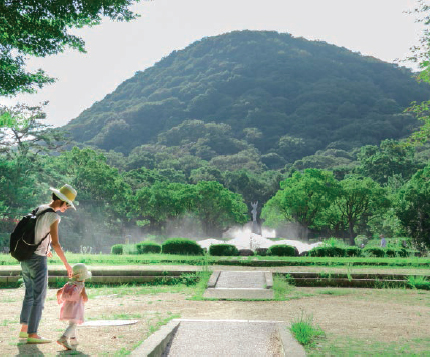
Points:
x=253 y=100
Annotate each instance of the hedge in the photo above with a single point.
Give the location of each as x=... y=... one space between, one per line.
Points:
x=181 y=246
x=222 y=250
x=117 y=249
x=282 y=250
x=148 y=247
x=323 y=251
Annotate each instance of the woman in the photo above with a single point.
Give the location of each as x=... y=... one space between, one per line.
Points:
x=35 y=269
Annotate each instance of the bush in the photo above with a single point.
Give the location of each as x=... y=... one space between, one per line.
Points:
x=282 y=250
x=223 y=250
x=327 y=251
x=181 y=246
x=117 y=249
x=353 y=252
x=389 y=252
x=147 y=247
x=374 y=252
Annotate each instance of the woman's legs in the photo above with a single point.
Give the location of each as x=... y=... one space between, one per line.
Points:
x=35 y=275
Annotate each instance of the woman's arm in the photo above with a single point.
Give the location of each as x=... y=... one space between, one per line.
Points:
x=84 y=295
x=57 y=247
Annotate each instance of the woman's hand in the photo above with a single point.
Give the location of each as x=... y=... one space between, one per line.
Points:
x=69 y=270
x=49 y=254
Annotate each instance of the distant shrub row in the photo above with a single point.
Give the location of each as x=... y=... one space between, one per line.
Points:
x=327 y=251
x=184 y=246
x=180 y=246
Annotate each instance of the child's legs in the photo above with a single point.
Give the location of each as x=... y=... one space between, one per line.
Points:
x=70 y=330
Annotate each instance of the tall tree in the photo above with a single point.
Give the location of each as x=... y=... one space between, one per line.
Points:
x=218 y=208
x=41 y=28
x=302 y=198
x=413 y=207
x=359 y=198
x=24 y=132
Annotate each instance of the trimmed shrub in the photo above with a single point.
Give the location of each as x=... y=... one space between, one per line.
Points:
x=223 y=250
x=374 y=252
x=147 y=247
x=353 y=252
x=262 y=252
x=389 y=252
x=282 y=250
x=327 y=251
x=181 y=246
x=117 y=249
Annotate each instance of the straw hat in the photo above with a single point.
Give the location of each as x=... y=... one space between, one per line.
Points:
x=66 y=193
x=80 y=272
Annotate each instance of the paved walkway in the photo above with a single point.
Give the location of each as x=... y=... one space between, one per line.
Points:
x=245 y=285
x=210 y=338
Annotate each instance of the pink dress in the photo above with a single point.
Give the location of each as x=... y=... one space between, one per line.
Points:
x=72 y=303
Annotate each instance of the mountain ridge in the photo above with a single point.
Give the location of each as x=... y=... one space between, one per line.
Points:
x=286 y=97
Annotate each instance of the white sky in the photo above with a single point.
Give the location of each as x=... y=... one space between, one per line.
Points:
x=116 y=51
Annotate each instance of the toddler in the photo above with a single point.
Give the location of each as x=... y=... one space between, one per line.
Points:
x=72 y=297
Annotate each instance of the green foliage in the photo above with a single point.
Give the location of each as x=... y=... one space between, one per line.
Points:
x=147 y=247
x=353 y=252
x=374 y=252
x=117 y=249
x=303 y=198
x=419 y=282
x=305 y=331
x=37 y=28
x=413 y=208
x=282 y=250
x=181 y=246
x=223 y=250
x=288 y=99
x=389 y=159
x=327 y=251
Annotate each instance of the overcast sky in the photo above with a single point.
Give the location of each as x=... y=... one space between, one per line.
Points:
x=116 y=51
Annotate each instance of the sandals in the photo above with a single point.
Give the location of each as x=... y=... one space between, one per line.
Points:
x=23 y=334
x=34 y=340
x=63 y=342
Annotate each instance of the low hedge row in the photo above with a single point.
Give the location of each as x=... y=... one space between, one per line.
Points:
x=184 y=246
x=357 y=252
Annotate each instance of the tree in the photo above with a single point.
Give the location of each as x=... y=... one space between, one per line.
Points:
x=358 y=198
x=218 y=208
x=41 y=28
x=413 y=207
x=302 y=198
x=391 y=158
x=24 y=133
x=421 y=55
x=161 y=202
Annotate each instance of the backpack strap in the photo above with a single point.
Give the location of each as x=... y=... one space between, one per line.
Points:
x=38 y=216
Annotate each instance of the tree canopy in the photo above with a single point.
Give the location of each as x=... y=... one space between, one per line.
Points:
x=42 y=28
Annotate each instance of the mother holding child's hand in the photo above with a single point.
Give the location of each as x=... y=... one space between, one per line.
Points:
x=35 y=269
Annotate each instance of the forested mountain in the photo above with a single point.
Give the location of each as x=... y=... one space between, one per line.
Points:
x=253 y=100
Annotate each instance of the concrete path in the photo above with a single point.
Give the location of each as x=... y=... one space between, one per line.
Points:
x=240 y=285
x=233 y=338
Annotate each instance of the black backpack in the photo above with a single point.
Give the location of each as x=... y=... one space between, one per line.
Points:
x=22 y=238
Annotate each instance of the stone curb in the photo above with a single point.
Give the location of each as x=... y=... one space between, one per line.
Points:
x=213 y=279
x=155 y=344
x=290 y=346
x=269 y=279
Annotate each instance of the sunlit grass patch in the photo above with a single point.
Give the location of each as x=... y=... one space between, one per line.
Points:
x=305 y=331
x=350 y=346
x=419 y=282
